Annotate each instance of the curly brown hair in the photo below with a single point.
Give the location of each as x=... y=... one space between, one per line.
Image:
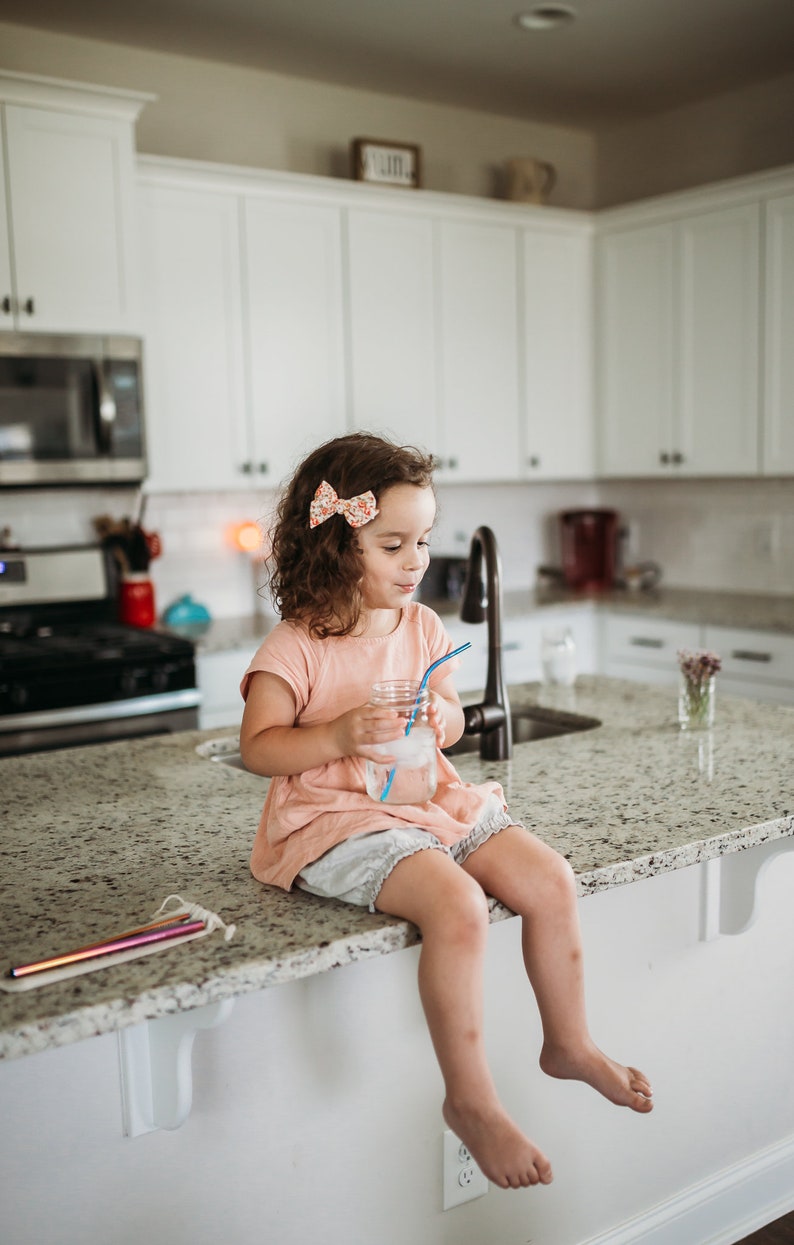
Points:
x=315 y=573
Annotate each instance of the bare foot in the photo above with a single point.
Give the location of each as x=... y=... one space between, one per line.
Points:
x=501 y=1151
x=627 y=1087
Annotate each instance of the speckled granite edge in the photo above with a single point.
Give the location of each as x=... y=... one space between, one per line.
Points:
x=695 y=853
x=629 y=800
x=93 y=1020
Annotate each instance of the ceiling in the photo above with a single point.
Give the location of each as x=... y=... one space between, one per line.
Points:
x=617 y=59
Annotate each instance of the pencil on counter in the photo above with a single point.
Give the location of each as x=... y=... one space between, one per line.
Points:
x=155 y=931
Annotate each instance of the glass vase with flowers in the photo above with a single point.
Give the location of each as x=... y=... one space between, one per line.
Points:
x=697 y=688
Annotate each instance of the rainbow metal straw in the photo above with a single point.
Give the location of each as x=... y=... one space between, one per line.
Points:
x=461 y=649
x=155 y=931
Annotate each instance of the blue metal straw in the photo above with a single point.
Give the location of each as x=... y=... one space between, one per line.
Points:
x=461 y=649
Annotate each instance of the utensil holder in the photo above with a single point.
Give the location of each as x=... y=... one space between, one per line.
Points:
x=136 y=600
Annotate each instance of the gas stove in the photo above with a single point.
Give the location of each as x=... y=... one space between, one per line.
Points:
x=69 y=673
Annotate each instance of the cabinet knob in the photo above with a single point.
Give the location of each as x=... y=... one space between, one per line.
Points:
x=453 y=463
x=664 y=457
x=263 y=469
x=534 y=460
x=28 y=306
x=6 y=305
x=246 y=468
x=677 y=457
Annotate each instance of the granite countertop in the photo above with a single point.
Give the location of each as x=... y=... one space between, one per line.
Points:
x=751 y=610
x=93 y=839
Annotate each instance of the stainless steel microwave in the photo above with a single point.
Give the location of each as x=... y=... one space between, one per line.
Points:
x=71 y=410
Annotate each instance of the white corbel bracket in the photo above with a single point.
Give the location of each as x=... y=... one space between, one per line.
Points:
x=729 y=888
x=156 y=1068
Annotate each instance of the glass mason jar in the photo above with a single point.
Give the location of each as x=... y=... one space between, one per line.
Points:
x=558 y=656
x=410 y=778
x=696 y=703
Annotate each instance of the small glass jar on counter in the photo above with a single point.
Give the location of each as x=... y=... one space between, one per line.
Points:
x=558 y=656
x=410 y=778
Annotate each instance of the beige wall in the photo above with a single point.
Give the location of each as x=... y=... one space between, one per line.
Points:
x=209 y=111
x=730 y=135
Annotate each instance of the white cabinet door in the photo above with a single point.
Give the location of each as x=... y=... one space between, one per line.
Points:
x=636 y=348
x=679 y=328
x=71 y=195
x=634 y=646
x=778 y=438
x=393 y=377
x=6 y=289
x=219 y=676
x=479 y=351
x=716 y=431
x=754 y=663
x=557 y=380
x=196 y=416
x=294 y=325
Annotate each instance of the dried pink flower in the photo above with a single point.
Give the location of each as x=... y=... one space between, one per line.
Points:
x=699 y=664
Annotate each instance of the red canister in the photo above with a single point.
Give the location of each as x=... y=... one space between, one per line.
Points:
x=136 y=600
x=589 y=543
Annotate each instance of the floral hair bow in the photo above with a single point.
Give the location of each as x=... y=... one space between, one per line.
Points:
x=357 y=510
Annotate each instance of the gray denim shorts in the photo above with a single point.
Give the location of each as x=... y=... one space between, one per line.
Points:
x=356 y=869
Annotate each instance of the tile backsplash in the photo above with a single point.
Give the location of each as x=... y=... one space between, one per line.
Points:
x=721 y=534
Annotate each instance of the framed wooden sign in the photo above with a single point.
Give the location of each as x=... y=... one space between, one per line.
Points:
x=386 y=164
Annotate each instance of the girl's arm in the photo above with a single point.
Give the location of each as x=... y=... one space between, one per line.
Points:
x=271 y=743
x=448 y=712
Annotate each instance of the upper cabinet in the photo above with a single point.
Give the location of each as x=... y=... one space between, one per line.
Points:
x=478 y=364
x=678 y=342
x=294 y=328
x=67 y=232
x=778 y=443
x=394 y=386
x=191 y=283
x=243 y=316
x=556 y=351
x=282 y=310
x=635 y=329
x=471 y=330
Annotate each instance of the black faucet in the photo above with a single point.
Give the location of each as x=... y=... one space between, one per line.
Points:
x=482 y=599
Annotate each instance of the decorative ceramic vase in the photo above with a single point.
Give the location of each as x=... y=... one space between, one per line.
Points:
x=696 y=703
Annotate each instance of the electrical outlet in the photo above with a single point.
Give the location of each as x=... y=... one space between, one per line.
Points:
x=463 y=1180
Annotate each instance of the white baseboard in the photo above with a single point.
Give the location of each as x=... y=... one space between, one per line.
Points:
x=719 y=1210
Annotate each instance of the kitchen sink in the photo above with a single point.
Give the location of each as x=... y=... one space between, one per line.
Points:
x=529 y=725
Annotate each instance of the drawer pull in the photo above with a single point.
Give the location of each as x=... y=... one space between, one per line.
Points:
x=747 y=654
x=646 y=641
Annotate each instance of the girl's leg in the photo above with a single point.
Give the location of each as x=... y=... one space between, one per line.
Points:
x=538 y=884
x=451 y=911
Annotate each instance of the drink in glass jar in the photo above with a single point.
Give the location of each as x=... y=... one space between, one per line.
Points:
x=410 y=777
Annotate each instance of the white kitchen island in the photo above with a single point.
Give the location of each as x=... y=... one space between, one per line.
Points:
x=315 y=1105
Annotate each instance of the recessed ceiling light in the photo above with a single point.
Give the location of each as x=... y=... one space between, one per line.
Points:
x=544 y=16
